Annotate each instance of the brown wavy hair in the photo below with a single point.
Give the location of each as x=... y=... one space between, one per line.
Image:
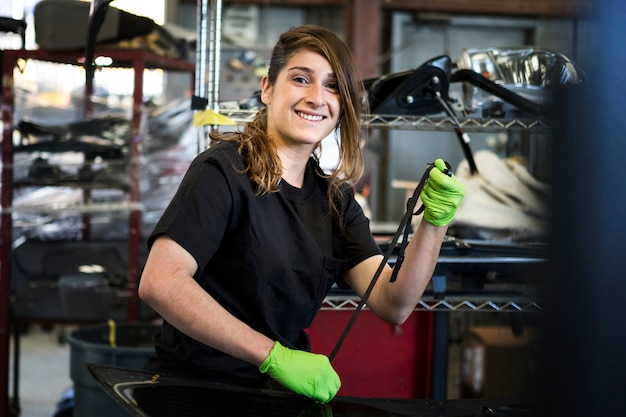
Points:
x=262 y=163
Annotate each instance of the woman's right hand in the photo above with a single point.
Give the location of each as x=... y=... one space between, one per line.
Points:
x=305 y=373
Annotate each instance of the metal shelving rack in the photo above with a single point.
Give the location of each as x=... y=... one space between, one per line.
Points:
x=136 y=60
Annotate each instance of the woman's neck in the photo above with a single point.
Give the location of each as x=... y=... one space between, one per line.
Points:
x=294 y=165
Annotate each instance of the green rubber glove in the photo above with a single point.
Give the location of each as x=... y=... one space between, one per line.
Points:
x=306 y=373
x=442 y=195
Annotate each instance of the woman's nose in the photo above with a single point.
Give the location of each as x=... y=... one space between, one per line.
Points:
x=315 y=95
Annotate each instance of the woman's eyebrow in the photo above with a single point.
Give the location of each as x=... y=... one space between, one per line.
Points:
x=310 y=71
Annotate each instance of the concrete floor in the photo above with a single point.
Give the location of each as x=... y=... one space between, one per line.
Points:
x=44 y=372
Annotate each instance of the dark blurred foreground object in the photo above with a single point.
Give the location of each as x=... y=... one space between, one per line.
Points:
x=584 y=360
x=146 y=394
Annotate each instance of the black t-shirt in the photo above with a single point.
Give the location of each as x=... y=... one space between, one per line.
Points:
x=268 y=259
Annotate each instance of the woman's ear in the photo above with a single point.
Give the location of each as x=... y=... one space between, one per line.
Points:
x=265 y=90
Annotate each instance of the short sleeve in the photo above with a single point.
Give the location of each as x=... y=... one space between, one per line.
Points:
x=358 y=243
x=199 y=212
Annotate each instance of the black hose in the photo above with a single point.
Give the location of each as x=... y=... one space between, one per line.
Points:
x=99 y=9
x=403 y=227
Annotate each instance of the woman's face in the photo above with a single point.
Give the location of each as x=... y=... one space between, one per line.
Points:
x=303 y=105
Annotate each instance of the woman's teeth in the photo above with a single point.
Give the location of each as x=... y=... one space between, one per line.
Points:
x=310 y=117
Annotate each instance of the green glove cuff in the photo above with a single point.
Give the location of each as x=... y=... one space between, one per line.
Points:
x=303 y=372
x=267 y=363
x=442 y=195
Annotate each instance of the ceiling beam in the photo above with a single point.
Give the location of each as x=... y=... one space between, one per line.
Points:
x=530 y=8
x=536 y=8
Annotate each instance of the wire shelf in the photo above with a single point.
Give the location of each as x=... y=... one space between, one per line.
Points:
x=446 y=124
x=429 y=123
x=429 y=303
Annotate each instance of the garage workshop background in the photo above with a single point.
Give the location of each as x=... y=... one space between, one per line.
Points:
x=523 y=304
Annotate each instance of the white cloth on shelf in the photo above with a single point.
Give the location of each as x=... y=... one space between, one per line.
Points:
x=503 y=196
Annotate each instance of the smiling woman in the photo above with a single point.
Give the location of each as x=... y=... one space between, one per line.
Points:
x=302 y=91
x=258 y=233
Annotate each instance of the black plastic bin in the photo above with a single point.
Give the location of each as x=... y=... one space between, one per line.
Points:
x=133 y=346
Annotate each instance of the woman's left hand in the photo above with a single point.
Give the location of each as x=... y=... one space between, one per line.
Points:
x=442 y=195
